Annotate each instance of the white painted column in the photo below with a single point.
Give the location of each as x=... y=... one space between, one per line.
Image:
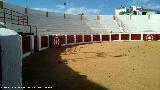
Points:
x=91 y=38
x=39 y=43
x=130 y=37
x=48 y=40
x=100 y=37
x=142 y=37
x=32 y=43
x=74 y=39
x=120 y=37
x=110 y=37
x=66 y=39
x=83 y=38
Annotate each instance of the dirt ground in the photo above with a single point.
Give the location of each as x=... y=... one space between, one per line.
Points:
x=98 y=66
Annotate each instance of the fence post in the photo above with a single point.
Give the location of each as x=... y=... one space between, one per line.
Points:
x=100 y=37
x=83 y=38
x=75 y=39
x=120 y=37
x=66 y=39
x=32 y=43
x=130 y=37
x=110 y=37
x=91 y=38
x=39 y=43
x=141 y=37
x=48 y=40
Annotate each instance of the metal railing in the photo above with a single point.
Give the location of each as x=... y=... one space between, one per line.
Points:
x=15 y=18
x=121 y=24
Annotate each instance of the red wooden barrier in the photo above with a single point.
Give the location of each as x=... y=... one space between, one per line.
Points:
x=124 y=36
x=70 y=39
x=96 y=37
x=87 y=38
x=62 y=39
x=152 y=37
x=157 y=36
x=115 y=37
x=25 y=44
x=44 y=41
x=79 y=38
x=35 y=43
x=105 y=37
x=50 y=40
x=135 y=36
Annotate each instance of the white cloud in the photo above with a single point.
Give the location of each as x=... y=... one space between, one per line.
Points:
x=153 y=6
x=139 y=1
x=60 y=6
x=43 y=9
x=82 y=10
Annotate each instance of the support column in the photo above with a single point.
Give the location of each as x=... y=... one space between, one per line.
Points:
x=48 y=40
x=120 y=37
x=39 y=43
x=130 y=37
x=141 y=37
x=75 y=39
x=32 y=43
x=91 y=38
x=110 y=36
x=100 y=37
x=66 y=39
x=83 y=38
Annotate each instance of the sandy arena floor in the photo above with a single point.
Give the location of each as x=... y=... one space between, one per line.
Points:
x=99 y=66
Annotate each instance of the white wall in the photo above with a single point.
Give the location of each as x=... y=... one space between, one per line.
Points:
x=10 y=44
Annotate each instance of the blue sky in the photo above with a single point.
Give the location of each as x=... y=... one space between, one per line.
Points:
x=86 y=6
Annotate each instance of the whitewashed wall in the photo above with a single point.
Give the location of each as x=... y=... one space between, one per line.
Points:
x=10 y=43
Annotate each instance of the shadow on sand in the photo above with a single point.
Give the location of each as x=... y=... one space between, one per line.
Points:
x=46 y=69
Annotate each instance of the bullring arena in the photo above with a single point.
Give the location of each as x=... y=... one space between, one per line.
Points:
x=102 y=52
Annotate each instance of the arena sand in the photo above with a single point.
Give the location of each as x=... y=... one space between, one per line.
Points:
x=98 y=66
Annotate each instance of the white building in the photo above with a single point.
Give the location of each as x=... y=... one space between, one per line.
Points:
x=134 y=10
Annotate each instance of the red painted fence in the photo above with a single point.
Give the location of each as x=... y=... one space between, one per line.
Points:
x=87 y=38
x=25 y=44
x=96 y=37
x=124 y=36
x=105 y=37
x=44 y=41
x=70 y=39
x=56 y=41
x=79 y=38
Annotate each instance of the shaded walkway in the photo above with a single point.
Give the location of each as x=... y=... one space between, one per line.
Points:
x=46 y=69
